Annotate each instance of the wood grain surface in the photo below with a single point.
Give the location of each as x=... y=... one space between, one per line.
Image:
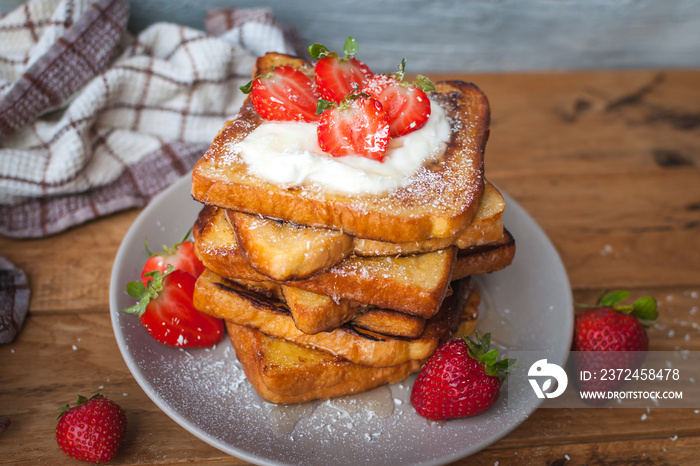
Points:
x=606 y=162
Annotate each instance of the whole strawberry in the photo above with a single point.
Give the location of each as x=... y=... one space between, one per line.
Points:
x=462 y=378
x=92 y=430
x=609 y=340
x=609 y=326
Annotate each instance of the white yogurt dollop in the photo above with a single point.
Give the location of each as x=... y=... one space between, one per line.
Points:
x=288 y=154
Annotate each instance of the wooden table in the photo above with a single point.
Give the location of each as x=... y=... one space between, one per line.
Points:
x=606 y=162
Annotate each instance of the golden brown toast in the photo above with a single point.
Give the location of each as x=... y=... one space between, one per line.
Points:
x=227 y=300
x=486 y=227
x=285 y=372
x=285 y=251
x=437 y=201
x=390 y=322
x=413 y=284
x=485 y=258
x=313 y=313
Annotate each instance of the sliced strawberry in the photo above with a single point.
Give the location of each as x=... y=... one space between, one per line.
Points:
x=181 y=256
x=284 y=94
x=337 y=77
x=167 y=313
x=406 y=104
x=358 y=126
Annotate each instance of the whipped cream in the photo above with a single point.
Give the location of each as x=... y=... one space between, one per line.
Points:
x=288 y=154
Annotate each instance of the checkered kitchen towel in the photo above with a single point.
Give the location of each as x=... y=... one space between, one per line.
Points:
x=93 y=121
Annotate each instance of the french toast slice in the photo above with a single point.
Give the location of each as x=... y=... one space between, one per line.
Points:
x=314 y=313
x=437 y=201
x=413 y=284
x=485 y=258
x=225 y=299
x=486 y=227
x=390 y=322
x=285 y=372
x=285 y=251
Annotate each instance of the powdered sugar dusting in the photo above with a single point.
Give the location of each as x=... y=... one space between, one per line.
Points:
x=441 y=190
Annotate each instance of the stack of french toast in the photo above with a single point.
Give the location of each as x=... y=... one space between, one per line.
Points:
x=328 y=293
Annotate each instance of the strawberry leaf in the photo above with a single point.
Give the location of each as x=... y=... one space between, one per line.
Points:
x=611 y=299
x=318 y=51
x=480 y=350
x=146 y=294
x=247 y=88
x=424 y=83
x=323 y=105
x=81 y=401
x=350 y=47
x=490 y=358
x=63 y=410
x=168 y=250
x=136 y=289
x=645 y=308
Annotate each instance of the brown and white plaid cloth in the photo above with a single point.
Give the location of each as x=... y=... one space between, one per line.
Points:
x=93 y=121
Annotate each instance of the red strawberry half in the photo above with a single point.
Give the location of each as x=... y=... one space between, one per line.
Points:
x=336 y=77
x=91 y=431
x=462 y=378
x=284 y=94
x=167 y=313
x=357 y=126
x=181 y=256
x=406 y=104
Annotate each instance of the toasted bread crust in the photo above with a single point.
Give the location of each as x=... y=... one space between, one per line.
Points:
x=486 y=227
x=438 y=201
x=285 y=372
x=285 y=251
x=413 y=284
x=390 y=323
x=485 y=258
x=218 y=297
x=314 y=374
x=314 y=313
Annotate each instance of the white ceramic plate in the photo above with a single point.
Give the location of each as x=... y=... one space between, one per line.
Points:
x=527 y=307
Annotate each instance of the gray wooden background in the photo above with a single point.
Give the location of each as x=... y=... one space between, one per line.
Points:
x=476 y=35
